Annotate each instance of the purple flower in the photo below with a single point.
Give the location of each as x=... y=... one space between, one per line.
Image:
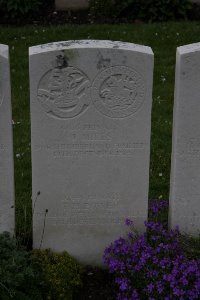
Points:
x=123 y=283
x=153 y=266
x=184 y=281
x=130 y=235
x=128 y=222
x=157 y=206
x=150 y=287
x=178 y=292
x=152 y=273
x=135 y=295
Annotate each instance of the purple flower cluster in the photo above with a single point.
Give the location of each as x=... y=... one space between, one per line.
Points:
x=157 y=206
x=152 y=265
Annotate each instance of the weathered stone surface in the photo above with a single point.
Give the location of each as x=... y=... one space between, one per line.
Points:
x=6 y=148
x=185 y=168
x=71 y=4
x=91 y=123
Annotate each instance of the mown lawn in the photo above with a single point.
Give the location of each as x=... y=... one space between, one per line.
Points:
x=163 y=38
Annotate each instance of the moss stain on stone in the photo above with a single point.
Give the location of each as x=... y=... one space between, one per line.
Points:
x=71 y=54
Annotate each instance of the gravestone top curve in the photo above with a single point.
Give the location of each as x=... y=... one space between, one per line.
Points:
x=56 y=46
x=190 y=48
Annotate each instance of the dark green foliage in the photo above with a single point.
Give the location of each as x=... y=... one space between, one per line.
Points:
x=101 y=8
x=98 y=284
x=18 y=8
x=62 y=274
x=191 y=246
x=20 y=276
x=148 y=10
x=164 y=10
x=113 y=8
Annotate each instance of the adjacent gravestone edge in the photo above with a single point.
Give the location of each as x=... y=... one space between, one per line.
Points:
x=190 y=48
x=7 y=190
x=4 y=50
x=184 y=209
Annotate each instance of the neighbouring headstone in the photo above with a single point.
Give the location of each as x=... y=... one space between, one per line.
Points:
x=91 y=123
x=71 y=4
x=185 y=167
x=7 y=211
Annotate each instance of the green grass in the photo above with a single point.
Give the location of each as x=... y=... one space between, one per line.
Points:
x=163 y=38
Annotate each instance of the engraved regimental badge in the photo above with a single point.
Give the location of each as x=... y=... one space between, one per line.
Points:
x=64 y=92
x=118 y=91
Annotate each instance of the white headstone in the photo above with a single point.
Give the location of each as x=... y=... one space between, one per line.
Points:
x=6 y=148
x=91 y=124
x=185 y=167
